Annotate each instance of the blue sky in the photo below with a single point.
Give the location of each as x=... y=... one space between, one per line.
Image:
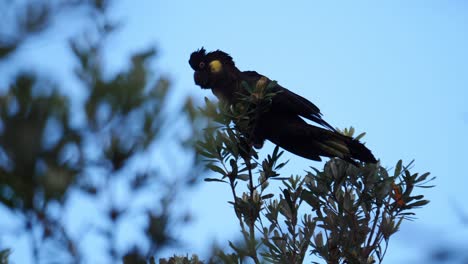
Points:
x=397 y=70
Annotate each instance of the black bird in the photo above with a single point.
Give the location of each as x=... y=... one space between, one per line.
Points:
x=283 y=123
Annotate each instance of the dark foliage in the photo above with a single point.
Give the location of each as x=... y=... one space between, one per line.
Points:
x=53 y=151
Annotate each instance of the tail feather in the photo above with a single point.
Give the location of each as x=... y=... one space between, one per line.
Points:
x=361 y=152
x=311 y=142
x=334 y=144
x=331 y=149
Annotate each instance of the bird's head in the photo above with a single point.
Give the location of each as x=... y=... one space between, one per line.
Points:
x=211 y=69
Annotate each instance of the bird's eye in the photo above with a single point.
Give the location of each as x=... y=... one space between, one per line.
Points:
x=201 y=65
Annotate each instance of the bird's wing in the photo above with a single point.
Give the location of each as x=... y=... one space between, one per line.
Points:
x=287 y=101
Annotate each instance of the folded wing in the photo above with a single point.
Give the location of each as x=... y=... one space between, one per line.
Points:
x=288 y=101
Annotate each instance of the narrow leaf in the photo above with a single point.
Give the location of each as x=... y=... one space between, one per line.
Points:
x=214 y=180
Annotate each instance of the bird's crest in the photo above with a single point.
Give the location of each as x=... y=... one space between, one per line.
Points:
x=222 y=56
x=201 y=57
x=196 y=58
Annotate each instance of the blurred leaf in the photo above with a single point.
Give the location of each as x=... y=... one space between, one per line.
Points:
x=134 y=257
x=6 y=49
x=4 y=255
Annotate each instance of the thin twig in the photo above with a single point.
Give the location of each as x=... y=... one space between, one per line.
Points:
x=377 y=215
x=252 y=220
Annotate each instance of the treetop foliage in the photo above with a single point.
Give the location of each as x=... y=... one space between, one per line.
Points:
x=342 y=213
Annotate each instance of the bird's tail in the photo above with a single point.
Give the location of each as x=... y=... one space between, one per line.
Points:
x=360 y=152
x=347 y=148
x=311 y=142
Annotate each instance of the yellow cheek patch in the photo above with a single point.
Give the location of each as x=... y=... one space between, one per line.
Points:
x=215 y=66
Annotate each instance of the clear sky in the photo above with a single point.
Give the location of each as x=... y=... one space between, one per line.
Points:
x=397 y=70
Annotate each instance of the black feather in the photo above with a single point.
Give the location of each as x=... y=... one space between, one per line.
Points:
x=197 y=57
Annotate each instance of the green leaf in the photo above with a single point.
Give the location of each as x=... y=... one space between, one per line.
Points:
x=216 y=169
x=398 y=169
x=347 y=202
x=427 y=186
x=397 y=226
x=417 y=197
x=272 y=84
x=319 y=240
x=233 y=164
x=214 y=180
x=418 y=203
x=279 y=178
x=281 y=165
x=275 y=151
x=423 y=177
x=360 y=136
x=243 y=177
